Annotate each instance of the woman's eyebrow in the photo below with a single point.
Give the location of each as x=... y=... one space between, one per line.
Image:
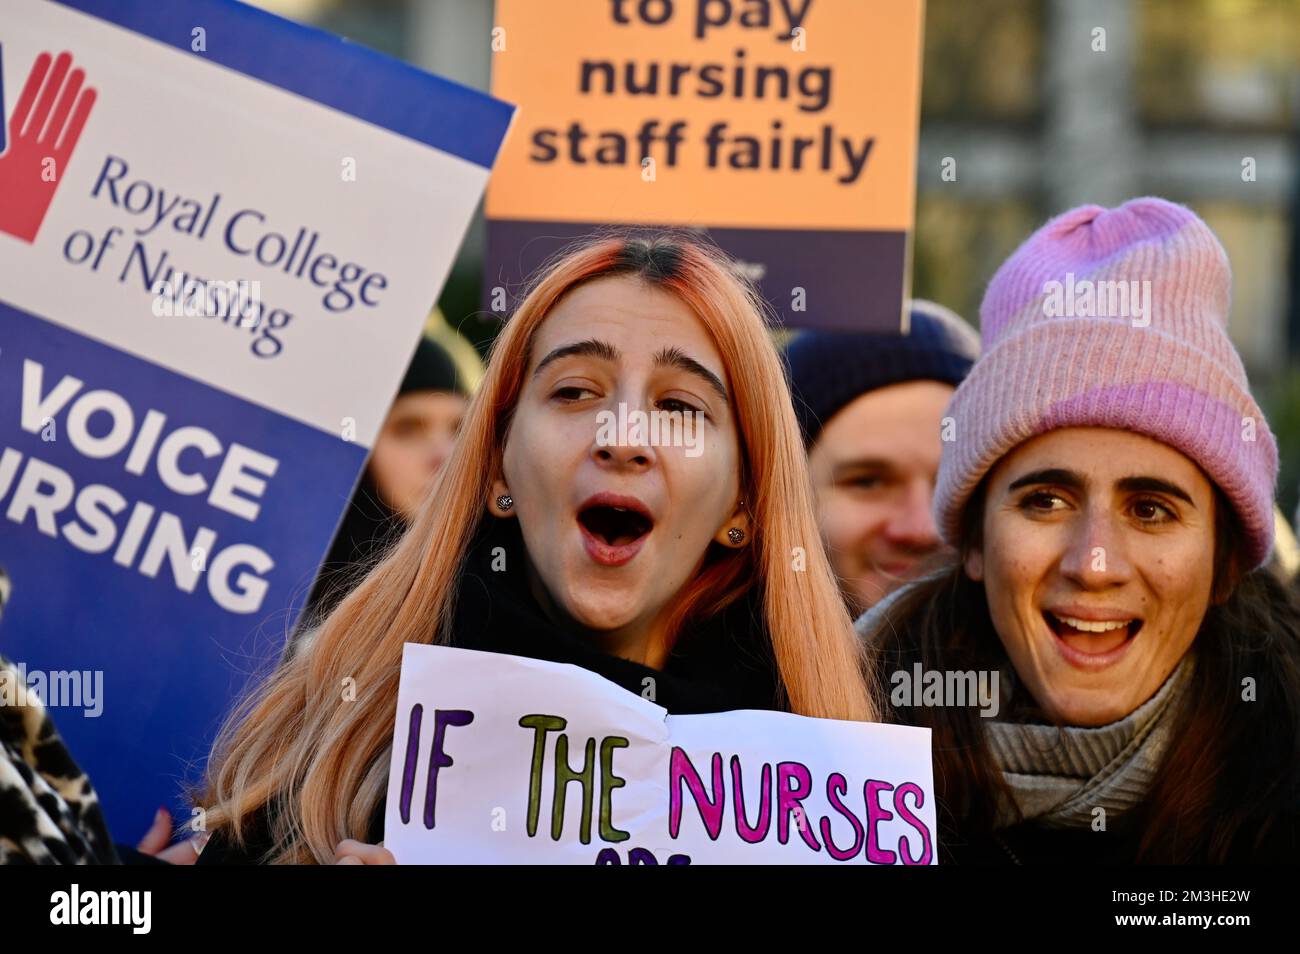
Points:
x=590 y=348
x=1153 y=485
x=1052 y=475
x=1075 y=481
x=676 y=358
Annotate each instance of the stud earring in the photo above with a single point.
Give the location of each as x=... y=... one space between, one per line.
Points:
x=505 y=502
x=736 y=536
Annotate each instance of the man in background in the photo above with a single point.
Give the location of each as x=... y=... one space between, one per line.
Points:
x=871 y=408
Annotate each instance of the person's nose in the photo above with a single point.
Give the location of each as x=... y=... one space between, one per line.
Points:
x=912 y=525
x=623 y=439
x=438 y=448
x=1096 y=556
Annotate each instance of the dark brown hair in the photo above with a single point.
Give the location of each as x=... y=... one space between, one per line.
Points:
x=1230 y=781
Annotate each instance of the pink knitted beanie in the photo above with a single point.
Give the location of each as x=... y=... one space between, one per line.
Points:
x=1114 y=318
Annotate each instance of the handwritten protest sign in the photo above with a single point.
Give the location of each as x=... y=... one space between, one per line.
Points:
x=500 y=759
x=220 y=234
x=786 y=130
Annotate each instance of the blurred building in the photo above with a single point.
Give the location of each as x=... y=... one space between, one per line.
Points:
x=1046 y=104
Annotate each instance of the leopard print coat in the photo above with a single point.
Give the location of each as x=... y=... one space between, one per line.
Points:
x=49 y=813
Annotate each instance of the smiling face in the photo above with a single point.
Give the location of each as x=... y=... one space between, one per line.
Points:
x=873 y=467
x=1097 y=558
x=613 y=531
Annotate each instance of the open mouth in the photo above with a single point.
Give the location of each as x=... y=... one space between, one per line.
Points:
x=1092 y=637
x=614 y=528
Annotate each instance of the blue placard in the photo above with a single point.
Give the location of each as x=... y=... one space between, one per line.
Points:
x=167 y=490
x=171 y=658
x=321 y=67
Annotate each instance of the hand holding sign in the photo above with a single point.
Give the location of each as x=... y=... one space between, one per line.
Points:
x=47 y=122
x=352 y=852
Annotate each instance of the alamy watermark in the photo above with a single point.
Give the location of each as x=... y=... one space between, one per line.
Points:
x=948 y=688
x=99 y=907
x=1102 y=299
x=637 y=428
x=62 y=688
x=191 y=297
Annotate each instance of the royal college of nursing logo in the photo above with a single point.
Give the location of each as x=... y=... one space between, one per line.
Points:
x=37 y=143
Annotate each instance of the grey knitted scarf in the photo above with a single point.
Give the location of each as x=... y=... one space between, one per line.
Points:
x=1058 y=775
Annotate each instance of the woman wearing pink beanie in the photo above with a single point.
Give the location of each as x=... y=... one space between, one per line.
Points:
x=1109 y=674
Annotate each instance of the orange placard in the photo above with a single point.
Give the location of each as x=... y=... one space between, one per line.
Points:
x=727 y=113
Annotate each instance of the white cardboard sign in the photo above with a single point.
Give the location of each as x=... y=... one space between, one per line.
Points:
x=502 y=759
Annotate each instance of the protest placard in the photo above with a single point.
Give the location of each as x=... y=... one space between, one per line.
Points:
x=501 y=759
x=786 y=131
x=220 y=235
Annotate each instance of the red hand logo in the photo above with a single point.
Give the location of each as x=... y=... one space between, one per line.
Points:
x=42 y=135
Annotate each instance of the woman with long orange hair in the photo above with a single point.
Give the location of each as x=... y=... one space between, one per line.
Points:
x=692 y=573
